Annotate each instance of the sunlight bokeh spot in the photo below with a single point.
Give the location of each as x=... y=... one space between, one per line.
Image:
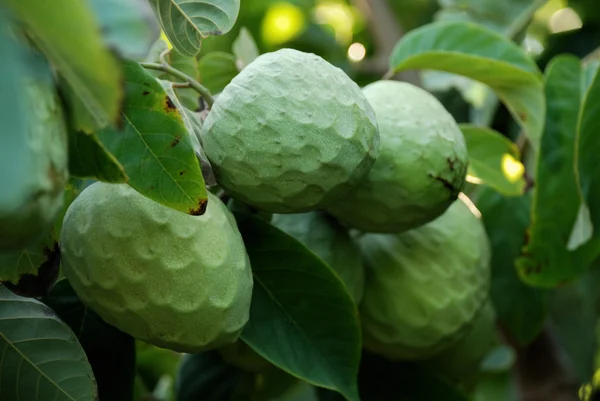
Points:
x=282 y=22
x=511 y=168
x=356 y=52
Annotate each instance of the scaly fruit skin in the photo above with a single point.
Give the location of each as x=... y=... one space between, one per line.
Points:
x=291 y=133
x=424 y=286
x=461 y=361
x=322 y=235
x=28 y=214
x=421 y=167
x=174 y=280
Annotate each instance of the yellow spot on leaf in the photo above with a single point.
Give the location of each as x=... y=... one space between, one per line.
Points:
x=512 y=168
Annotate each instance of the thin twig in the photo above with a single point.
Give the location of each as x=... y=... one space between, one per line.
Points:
x=163 y=56
x=203 y=91
x=181 y=85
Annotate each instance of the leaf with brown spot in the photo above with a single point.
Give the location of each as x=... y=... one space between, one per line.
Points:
x=143 y=145
x=169 y=106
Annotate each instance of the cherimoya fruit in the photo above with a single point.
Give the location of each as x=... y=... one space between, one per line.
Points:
x=174 y=280
x=291 y=133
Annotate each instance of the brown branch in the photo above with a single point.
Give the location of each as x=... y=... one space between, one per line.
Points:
x=540 y=373
x=386 y=32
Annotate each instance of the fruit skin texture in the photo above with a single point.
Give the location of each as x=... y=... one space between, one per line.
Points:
x=27 y=213
x=291 y=133
x=322 y=235
x=421 y=167
x=424 y=286
x=461 y=362
x=174 y=280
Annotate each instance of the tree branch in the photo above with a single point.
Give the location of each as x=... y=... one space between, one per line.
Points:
x=204 y=92
x=386 y=32
x=540 y=373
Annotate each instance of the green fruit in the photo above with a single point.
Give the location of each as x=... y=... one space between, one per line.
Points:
x=174 y=280
x=291 y=133
x=29 y=207
x=322 y=235
x=461 y=362
x=421 y=167
x=424 y=286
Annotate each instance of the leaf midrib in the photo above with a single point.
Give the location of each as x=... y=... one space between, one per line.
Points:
x=294 y=323
x=24 y=358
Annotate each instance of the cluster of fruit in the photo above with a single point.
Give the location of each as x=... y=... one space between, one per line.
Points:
x=369 y=180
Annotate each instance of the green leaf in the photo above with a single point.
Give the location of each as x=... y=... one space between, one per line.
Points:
x=187 y=22
x=501 y=387
x=193 y=124
x=154 y=145
x=483 y=55
x=302 y=319
x=546 y=259
x=13 y=265
x=587 y=144
x=111 y=353
x=68 y=34
x=127 y=26
x=41 y=357
x=245 y=48
x=573 y=317
x=384 y=380
x=508 y=17
x=88 y=158
x=506 y=220
x=494 y=160
x=217 y=69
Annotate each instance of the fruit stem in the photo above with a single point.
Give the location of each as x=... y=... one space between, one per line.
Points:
x=203 y=91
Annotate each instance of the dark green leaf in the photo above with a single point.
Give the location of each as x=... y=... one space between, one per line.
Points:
x=33 y=270
x=217 y=69
x=68 y=34
x=501 y=387
x=546 y=259
x=187 y=22
x=383 y=380
x=154 y=145
x=110 y=352
x=302 y=319
x=245 y=49
x=574 y=310
x=127 y=26
x=483 y=55
x=506 y=220
x=41 y=358
x=88 y=158
x=494 y=160
x=587 y=145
